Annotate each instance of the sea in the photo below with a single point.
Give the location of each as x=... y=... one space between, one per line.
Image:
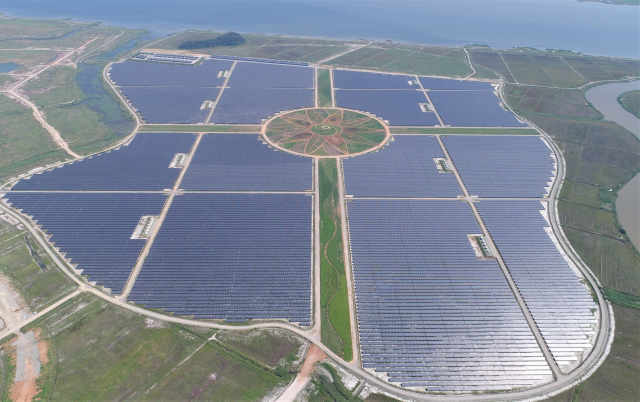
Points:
x=587 y=27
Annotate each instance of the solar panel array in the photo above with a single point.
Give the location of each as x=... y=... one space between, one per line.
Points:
x=166 y=105
x=252 y=105
x=257 y=60
x=403 y=168
x=167 y=93
x=143 y=165
x=345 y=79
x=430 y=313
x=557 y=300
x=136 y=73
x=259 y=75
x=236 y=162
x=472 y=109
x=454 y=85
x=502 y=166
x=231 y=256
x=93 y=229
x=400 y=108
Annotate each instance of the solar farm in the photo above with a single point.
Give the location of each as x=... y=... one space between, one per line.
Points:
x=460 y=282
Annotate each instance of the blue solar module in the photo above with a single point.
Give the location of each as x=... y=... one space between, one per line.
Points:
x=243 y=162
x=257 y=60
x=472 y=109
x=137 y=73
x=251 y=105
x=558 y=301
x=261 y=75
x=345 y=79
x=502 y=166
x=171 y=104
x=93 y=229
x=231 y=256
x=430 y=313
x=445 y=84
x=403 y=168
x=400 y=108
x=143 y=165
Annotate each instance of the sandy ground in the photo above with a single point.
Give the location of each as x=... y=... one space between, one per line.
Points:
x=314 y=355
x=33 y=353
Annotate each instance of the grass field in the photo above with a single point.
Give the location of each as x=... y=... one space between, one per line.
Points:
x=336 y=323
x=326 y=386
x=631 y=102
x=98 y=351
x=38 y=286
x=550 y=101
x=24 y=143
x=27 y=58
x=186 y=128
x=54 y=86
x=28 y=28
x=325 y=95
x=215 y=374
x=603 y=156
x=270 y=348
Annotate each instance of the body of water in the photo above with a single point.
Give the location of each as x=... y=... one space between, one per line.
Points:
x=605 y=99
x=8 y=67
x=588 y=27
x=99 y=100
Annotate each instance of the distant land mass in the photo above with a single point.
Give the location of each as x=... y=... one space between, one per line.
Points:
x=228 y=39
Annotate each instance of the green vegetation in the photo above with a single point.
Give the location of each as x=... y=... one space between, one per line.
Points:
x=622 y=299
x=553 y=68
x=631 y=102
x=8 y=366
x=22 y=28
x=380 y=398
x=550 y=101
x=24 y=143
x=425 y=60
x=98 y=351
x=325 y=95
x=336 y=322
x=227 y=39
x=199 y=128
x=29 y=269
x=216 y=374
x=627 y=2
x=469 y=131
x=268 y=347
x=328 y=387
x=263 y=46
x=325 y=132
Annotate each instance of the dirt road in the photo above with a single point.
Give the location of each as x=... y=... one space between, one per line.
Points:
x=314 y=355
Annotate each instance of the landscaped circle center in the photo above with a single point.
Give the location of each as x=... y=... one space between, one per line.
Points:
x=326 y=129
x=325 y=132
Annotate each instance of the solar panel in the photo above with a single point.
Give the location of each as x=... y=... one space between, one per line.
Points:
x=472 y=109
x=345 y=79
x=231 y=256
x=167 y=105
x=454 y=85
x=137 y=73
x=142 y=165
x=430 y=313
x=403 y=168
x=258 y=60
x=400 y=108
x=558 y=301
x=252 y=105
x=503 y=166
x=259 y=75
x=237 y=162
x=93 y=229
